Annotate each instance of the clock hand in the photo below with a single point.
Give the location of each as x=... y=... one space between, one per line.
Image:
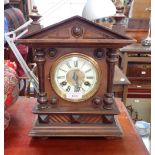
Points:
x=75 y=78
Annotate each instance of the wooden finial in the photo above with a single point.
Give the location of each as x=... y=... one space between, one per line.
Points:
x=119 y=17
x=35 y=16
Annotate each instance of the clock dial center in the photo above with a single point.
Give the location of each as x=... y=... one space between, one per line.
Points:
x=75 y=77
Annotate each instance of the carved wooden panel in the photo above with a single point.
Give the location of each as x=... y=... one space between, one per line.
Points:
x=75 y=118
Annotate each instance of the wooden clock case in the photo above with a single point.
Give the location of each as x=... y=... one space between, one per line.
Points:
x=96 y=116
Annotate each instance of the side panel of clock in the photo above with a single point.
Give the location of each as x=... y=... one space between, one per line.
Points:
x=97 y=54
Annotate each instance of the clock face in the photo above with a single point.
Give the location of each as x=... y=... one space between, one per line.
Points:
x=75 y=77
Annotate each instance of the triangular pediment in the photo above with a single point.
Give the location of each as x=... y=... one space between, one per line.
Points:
x=75 y=28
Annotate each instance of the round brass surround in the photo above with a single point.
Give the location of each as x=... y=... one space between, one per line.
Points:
x=61 y=93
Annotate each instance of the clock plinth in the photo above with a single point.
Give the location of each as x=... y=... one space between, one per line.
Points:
x=57 y=121
x=77 y=130
x=76 y=60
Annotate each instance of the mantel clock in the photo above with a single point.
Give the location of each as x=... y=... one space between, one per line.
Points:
x=76 y=60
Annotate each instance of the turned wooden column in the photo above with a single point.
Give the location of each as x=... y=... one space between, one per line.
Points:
x=112 y=58
x=40 y=60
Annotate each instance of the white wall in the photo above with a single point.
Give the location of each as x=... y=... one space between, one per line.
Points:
x=54 y=11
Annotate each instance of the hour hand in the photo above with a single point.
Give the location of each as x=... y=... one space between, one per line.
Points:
x=75 y=77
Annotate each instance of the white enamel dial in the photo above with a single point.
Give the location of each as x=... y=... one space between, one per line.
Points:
x=75 y=77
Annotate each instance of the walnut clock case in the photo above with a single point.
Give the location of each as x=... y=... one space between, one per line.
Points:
x=76 y=60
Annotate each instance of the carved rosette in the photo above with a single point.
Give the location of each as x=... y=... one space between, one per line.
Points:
x=112 y=58
x=40 y=60
x=51 y=52
x=100 y=53
x=77 y=31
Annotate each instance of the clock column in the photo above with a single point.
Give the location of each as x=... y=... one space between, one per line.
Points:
x=40 y=60
x=112 y=58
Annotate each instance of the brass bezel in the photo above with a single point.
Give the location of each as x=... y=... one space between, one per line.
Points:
x=62 y=94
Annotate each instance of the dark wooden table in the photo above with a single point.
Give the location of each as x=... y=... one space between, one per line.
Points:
x=136 y=65
x=135 y=53
x=17 y=141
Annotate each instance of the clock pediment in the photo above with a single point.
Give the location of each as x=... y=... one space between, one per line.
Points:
x=78 y=32
x=75 y=27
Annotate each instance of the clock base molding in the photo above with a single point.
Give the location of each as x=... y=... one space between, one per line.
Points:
x=109 y=130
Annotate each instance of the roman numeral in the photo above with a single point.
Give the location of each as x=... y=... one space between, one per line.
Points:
x=90 y=77
x=76 y=63
x=83 y=89
x=76 y=89
x=60 y=77
x=88 y=70
x=68 y=65
x=63 y=70
x=83 y=64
